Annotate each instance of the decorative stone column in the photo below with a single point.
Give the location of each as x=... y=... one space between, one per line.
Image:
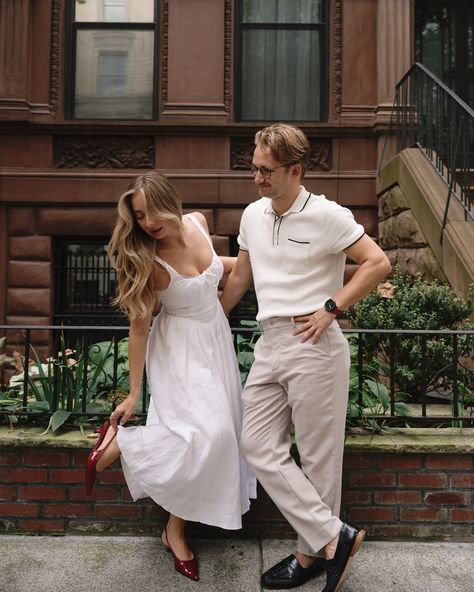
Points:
x=395 y=56
x=395 y=47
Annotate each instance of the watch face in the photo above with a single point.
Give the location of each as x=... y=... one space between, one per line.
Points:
x=330 y=305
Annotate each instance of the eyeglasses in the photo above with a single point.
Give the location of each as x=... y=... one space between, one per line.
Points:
x=265 y=171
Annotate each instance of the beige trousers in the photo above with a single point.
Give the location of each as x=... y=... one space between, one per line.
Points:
x=307 y=385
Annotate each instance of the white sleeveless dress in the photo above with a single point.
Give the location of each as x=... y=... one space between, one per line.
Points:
x=187 y=457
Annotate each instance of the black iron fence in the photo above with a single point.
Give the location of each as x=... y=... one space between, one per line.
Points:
x=431 y=116
x=398 y=377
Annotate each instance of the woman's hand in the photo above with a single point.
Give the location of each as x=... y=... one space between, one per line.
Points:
x=125 y=410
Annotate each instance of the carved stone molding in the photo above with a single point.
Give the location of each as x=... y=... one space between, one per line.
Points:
x=55 y=56
x=228 y=28
x=320 y=156
x=114 y=152
x=164 y=27
x=337 y=37
x=241 y=152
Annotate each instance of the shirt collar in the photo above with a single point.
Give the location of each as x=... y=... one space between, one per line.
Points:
x=297 y=205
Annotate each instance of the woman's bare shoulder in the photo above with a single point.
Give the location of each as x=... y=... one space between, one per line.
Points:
x=202 y=219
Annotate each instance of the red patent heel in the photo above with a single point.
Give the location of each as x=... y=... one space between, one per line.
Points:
x=95 y=455
x=187 y=568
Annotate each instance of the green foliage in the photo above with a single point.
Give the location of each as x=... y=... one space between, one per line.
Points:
x=371 y=397
x=244 y=349
x=63 y=382
x=411 y=303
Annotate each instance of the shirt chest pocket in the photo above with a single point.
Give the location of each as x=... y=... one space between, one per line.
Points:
x=296 y=256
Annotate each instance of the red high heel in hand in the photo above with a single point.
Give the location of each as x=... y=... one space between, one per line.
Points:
x=187 y=568
x=95 y=455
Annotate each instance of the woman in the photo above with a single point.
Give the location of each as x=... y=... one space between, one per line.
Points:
x=187 y=457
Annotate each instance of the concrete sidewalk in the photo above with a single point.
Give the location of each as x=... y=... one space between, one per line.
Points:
x=139 y=564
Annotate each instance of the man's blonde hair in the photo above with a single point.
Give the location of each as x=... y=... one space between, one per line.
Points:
x=286 y=143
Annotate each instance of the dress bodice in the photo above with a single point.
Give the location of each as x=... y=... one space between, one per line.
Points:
x=192 y=296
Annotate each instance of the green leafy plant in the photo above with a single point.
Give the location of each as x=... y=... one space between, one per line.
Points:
x=368 y=397
x=63 y=382
x=244 y=346
x=422 y=364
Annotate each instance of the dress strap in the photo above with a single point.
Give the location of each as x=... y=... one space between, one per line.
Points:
x=163 y=263
x=201 y=229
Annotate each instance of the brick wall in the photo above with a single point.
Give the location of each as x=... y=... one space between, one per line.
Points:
x=391 y=495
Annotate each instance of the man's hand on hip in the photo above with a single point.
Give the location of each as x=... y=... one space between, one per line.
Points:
x=311 y=326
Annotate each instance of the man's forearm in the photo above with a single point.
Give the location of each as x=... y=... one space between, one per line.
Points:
x=367 y=276
x=235 y=288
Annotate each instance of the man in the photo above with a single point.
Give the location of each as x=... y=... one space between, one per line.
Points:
x=294 y=244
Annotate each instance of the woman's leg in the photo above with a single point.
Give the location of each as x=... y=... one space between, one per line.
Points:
x=173 y=537
x=112 y=453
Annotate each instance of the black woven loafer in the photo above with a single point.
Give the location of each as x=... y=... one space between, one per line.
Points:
x=350 y=539
x=289 y=573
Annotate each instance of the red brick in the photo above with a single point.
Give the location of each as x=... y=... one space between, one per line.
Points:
x=419 y=514
x=371 y=480
x=46 y=458
x=462 y=515
x=79 y=458
x=359 y=461
x=19 y=509
x=79 y=494
x=41 y=492
x=7 y=493
x=67 y=510
x=41 y=525
x=397 y=497
x=114 y=511
x=112 y=477
x=451 y=462
x=9 y=457
x=399 y=461
x=363 y=515
x=126 y=497
x=466 y=480
x=67 y=475
x=20 y=475
x=356 y=497
x=448 y=498
x=153 y=512
x=420 y=480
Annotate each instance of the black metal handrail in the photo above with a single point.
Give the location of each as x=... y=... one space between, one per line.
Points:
x=431 y=116
x=73 y=399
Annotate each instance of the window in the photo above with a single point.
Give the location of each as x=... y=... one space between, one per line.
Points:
x=113 y=59
x=282 y=59
x=84 y=283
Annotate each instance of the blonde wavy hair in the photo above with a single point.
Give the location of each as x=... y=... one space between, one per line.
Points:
x=286 y=143
x=131 y=250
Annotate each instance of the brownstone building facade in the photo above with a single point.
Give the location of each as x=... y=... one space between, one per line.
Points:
x=93 y=92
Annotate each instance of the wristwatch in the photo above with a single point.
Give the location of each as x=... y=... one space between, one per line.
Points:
x=331 y=306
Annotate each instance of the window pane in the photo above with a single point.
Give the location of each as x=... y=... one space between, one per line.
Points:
x=115 y=11
x=281 y=72
x=282 y=11
x=114 y=74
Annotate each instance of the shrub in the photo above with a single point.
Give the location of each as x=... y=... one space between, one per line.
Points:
x=411 y=303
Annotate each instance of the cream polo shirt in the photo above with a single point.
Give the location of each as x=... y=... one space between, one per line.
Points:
x=297 y=259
